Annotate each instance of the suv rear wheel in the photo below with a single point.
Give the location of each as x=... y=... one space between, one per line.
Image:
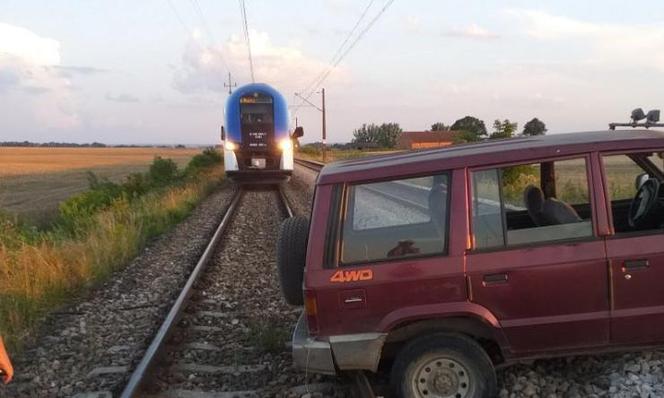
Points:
x=443 y=365
x=291 y=255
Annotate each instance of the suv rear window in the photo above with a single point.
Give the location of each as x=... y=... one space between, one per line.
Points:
x=531 y=203
x=395 y=219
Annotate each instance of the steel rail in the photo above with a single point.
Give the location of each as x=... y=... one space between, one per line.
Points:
x=310 y=164
x=359 y=383
x=174 y=315
x=286 y=203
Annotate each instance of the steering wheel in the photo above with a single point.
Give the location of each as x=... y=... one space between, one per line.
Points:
x=643 y=205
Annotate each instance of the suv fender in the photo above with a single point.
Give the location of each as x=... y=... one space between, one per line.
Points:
x=442 y=310
x=465 y=318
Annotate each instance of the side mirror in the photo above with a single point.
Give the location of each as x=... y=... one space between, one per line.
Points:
x=299 y=132
x=223 y=133
x=640 y=180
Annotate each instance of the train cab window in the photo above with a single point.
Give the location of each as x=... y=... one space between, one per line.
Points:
x=395 y=219
x=633 y=182
x=256 y=113
x=256 y=108
x=531 y=203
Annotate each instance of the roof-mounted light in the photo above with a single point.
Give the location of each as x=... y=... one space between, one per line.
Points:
x=637 y=115
x=652 y=119
x=653 y=116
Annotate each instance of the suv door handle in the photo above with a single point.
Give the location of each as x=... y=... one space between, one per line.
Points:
x=353 y=300
x=635 y=264
x=495 y=279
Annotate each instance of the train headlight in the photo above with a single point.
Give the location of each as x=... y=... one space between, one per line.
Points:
x=230 y=146
x=286 y=144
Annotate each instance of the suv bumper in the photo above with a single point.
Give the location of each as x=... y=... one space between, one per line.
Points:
x=344 y=352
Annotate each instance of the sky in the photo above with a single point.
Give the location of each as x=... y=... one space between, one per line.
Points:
x=153 y=71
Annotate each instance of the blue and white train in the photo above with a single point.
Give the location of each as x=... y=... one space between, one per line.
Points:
x=258 y=146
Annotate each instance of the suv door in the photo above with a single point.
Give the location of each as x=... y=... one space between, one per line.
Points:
x=636 y=254
x=392 y=254
x=541 y=272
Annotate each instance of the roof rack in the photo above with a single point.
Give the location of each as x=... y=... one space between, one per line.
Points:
x=652 y=119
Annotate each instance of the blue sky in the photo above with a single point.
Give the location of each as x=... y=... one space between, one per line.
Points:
x=131 y=72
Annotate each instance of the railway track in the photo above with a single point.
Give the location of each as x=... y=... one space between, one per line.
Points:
x=309 y=164
x=227 y=332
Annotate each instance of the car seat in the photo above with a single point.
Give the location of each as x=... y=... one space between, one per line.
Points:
x=558 y=212
x=437 y=206
x=533 y=197
x=549 y=211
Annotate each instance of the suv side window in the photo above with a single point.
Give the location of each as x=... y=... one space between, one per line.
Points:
x=624 y=175
x=531 y=203
x=395 y=219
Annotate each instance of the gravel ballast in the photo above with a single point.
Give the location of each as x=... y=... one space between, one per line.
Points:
x=235 y=337
x=92 y=344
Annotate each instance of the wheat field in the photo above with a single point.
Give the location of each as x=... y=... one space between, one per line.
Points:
x=33 y=181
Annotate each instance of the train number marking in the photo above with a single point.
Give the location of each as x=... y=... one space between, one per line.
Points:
x=352 y=276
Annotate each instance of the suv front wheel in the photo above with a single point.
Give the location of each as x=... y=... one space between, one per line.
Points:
x=443 y=365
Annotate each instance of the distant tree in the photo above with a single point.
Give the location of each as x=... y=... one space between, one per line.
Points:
x=534 y=127
x=473 y=128
x=504 y=129
x=440 y=126
x=385 y=135
x=462 y=137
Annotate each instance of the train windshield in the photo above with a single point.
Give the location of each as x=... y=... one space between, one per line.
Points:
x=256 y=108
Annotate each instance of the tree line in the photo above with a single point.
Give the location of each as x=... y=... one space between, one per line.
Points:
x=468 y=128
x=28 y=144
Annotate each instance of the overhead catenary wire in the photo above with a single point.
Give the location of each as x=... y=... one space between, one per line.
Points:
x=354 y=43
x=245 y=24
x=308 y=91
x=315 y=81
x=179 y=18
x=345 y=52
x=199 y=11
x=206 y=27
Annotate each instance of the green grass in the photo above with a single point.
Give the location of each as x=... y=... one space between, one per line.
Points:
x=268 y=335
x=332 y=154
x=95 y=234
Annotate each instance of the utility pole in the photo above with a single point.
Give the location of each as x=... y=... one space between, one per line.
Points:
x=324 y=124
x=321 y=110
x=230 y=84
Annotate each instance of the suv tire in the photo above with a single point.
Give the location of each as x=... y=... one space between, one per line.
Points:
x=291 y=256
x=443 y=364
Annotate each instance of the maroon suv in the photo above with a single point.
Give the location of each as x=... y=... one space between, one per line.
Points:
x=443 y=264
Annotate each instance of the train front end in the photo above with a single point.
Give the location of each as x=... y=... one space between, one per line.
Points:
x=258 y=147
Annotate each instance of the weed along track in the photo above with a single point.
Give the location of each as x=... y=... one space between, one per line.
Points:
x=233 y=336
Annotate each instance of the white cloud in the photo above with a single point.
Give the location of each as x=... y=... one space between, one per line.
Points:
x=28 y=46
x=413 y=24
x=29 y=79
x=472 y=31
x=121 y=98
x=285 y=67
x=610 y=44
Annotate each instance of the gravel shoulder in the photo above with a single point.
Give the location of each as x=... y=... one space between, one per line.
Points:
x=300 y=190
x=92 y=344
x=235 y=338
